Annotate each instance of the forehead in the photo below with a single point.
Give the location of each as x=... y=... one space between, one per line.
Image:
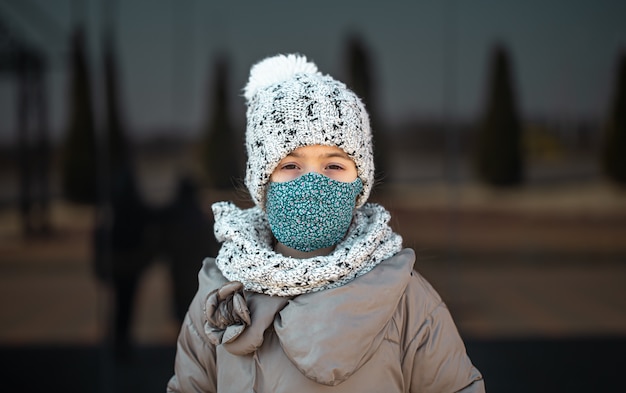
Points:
x=321 y=151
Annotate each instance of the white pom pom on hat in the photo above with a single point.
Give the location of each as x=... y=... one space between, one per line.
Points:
x=290 y=105
x=276 y=69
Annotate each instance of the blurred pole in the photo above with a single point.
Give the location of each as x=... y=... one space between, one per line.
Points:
x=452 y=160
x=32 y=142
x=30 y=65
x=103 y=210
x=450 y=85
x=24 y=156
x=449 y=99
x=42 y=149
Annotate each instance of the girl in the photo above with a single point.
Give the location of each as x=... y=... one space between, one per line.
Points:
x=311 y=290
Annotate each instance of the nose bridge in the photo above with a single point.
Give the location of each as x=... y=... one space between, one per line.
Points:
x=312 y=164
x=313 y=170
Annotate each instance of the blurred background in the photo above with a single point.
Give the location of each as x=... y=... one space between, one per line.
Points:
x=500 y=130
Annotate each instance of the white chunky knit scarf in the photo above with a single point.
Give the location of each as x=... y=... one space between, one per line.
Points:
x=247 y=253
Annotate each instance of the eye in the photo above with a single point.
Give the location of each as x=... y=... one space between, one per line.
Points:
x=289 y=166
x=334 y=167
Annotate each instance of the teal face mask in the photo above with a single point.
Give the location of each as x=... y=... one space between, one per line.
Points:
x=312 y=211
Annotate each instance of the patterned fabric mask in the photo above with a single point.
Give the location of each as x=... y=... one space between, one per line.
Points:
x=312 y=211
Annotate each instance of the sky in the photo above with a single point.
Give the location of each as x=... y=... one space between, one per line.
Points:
x=431 y=58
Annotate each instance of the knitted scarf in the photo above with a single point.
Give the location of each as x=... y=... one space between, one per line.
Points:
x=247 y=253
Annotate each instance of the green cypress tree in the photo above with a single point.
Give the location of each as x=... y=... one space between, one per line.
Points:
x=499 y=158
x=119 y=158
x=79 y=166
x=614 y=149
x=222 y=150
x=360 y=79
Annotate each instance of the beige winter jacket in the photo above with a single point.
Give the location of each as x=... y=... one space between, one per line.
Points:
x=386 y=331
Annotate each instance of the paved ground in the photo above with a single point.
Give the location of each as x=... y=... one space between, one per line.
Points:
x=521 y=277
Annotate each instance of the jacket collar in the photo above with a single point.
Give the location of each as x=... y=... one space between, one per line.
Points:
x=344 y=326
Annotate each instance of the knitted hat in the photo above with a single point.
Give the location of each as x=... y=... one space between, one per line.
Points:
x=290 y=105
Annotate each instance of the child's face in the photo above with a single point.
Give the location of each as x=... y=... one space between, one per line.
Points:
x=329 y=161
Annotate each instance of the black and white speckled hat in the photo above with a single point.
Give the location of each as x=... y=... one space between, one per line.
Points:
x=290 y=105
